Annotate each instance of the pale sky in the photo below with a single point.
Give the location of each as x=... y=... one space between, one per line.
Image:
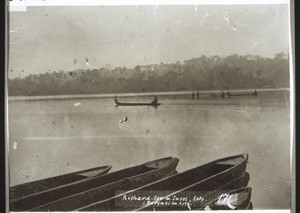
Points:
x=50 y=38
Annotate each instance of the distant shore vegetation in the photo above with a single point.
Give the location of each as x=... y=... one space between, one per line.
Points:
x=203 y=73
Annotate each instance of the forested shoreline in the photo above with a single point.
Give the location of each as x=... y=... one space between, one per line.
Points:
x=203 y=73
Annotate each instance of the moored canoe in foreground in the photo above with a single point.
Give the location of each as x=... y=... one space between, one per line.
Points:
x=107 y=186
x=238 y=199
x=192 y=189
x=22 y=190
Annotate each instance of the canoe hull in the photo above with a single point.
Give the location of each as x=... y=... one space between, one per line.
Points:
x=154 y=104
x=25 y=189
x=137 y=104
x=175 y=202
x=250 y=206
x=181 y=185
x=93 y=193
x=210 y=188
x=234 y=200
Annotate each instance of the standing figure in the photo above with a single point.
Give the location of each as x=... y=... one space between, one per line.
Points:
x=116 y=100
x=223 y=94
x=155 y=101
x=193 y=95
x=255 y=93
x=198 y=94
x=228 y=94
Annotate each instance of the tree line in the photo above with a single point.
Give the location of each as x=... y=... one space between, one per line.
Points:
x=202 y=73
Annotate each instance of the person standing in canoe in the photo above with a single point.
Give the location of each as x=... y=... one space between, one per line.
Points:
x=223 y=94
x=228 y=94
x=255 y=93
x=116 y=100
x=155 y=101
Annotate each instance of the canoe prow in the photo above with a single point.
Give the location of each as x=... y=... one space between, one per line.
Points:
x=25 y=189
x=207 y=181
x=160 y=163
x=103 y=187
x=232 y=161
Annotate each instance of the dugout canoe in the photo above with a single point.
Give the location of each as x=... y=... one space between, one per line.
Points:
x=106 y=186
x=228 y=94
x=192 y=189
x=21 y=190
x=238 y=199
x=136 y=104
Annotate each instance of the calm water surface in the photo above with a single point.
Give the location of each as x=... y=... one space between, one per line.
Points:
x=52 y=137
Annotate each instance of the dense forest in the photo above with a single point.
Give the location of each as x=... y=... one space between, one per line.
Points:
x=203 y=73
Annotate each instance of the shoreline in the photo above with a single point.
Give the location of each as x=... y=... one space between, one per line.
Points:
x=111 y=95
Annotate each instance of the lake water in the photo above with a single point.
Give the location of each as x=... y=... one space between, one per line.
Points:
x=52 y=137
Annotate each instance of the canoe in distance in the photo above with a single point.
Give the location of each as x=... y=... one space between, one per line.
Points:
x=154 y=104
x=25 y=189
x=228 y=94
x=107 y=186
x=137 y=104
x=192 y=189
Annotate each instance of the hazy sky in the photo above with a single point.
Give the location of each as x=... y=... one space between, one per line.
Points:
x=50 y=38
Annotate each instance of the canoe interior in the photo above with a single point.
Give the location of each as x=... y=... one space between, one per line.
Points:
x=208 y=194
x=52 y=182
x=231 y=161
x=192 y=176
x=92 y=186
x=89 y=174
x=158 y=163
x=34 y=200
x=187 y=183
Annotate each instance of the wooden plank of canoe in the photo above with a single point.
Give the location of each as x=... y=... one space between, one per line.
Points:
x=129 y=176
x=21 y=190
x=208 y=177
